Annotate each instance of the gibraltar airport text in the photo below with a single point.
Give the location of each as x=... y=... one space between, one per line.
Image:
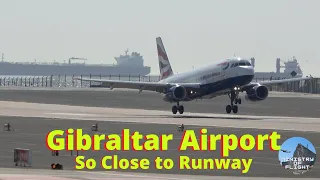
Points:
x=74 y=139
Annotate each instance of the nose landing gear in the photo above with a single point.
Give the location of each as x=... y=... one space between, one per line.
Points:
x=234 y=98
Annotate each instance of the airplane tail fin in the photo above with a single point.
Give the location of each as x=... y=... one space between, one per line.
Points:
x=164 y=64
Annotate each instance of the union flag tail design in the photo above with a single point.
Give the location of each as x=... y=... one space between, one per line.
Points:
x=164 y=64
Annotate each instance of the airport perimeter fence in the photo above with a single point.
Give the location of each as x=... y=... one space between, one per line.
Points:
x=306 y=86
x=67 y=81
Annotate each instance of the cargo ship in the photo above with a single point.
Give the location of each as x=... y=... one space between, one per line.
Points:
x=127 y=64
x=291 y=70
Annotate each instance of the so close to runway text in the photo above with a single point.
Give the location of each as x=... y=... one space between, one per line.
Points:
x=74 y=139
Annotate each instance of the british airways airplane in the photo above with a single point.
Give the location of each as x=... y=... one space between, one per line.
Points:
x=227 y=77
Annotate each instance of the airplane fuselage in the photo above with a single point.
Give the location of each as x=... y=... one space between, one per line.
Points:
x=216 y=77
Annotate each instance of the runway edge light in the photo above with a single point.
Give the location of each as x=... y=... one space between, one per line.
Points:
x=56 y=166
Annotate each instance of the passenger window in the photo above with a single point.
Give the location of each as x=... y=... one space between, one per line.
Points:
x=231 y=65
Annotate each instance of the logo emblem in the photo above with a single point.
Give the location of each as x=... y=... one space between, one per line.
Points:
x=297 y=155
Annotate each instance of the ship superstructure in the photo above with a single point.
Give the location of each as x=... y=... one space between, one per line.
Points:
x=291 y=69
x=126 y=65
x=133 y=60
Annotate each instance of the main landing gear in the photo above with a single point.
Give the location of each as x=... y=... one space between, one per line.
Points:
x=177 y=108
x=234 y=97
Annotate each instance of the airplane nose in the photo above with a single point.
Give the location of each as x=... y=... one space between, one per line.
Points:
x=249 y=70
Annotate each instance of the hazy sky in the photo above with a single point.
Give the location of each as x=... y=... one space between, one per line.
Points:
x=194 y=32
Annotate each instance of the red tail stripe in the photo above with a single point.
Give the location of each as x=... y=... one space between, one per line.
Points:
x=161 y=53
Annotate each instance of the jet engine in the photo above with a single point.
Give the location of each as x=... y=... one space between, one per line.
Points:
x=175 y=93
x=257 y=93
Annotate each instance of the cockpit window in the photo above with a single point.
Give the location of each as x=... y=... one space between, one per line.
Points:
x=244 y=63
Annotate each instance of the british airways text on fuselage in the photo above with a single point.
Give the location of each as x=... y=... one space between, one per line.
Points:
x=210 y=76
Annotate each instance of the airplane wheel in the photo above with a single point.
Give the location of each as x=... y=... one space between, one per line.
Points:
x=235 y=109
x=228 y=109
x=174 y=109
x=181 y=109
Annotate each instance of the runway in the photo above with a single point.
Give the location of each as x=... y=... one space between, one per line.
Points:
x=32 y=121
x=293 y=105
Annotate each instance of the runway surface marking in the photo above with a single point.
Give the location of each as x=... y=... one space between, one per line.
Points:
x=53 y=111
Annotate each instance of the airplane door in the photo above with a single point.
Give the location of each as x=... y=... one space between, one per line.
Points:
x=223 y=74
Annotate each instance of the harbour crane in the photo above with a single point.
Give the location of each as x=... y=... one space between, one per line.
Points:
x=75 y=58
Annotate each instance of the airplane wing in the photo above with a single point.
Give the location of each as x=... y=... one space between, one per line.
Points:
x=140 y=85
x=252 y=84
x=160 y=87
x=274 y=82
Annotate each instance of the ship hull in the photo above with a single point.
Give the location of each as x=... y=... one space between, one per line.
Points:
x=69 y=70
